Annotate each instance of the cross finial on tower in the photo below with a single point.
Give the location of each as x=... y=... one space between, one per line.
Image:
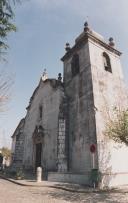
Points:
x=45 y=75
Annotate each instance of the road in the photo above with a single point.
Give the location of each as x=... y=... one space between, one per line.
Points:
x=12 y=193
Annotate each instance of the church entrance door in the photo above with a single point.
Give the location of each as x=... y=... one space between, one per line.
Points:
x=38 y=154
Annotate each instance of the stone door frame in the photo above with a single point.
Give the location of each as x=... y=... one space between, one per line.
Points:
x=38 y=138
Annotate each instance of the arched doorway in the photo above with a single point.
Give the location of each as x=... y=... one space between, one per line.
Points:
x=38 y=136
x=38 y=155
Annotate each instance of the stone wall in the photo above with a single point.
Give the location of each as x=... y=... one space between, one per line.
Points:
x=18 y=146
x=79 y=92
x=109 y=91
x=62 y=159
x=48 y=95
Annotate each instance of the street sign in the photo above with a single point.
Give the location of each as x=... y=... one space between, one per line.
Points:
x=92 y=148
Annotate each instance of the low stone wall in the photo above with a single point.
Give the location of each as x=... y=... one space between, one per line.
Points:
x=69 y=178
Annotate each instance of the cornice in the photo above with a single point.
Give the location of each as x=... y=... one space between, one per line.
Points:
x=84 y=39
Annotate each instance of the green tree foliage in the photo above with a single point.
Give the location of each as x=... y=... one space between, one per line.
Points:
x=6 y=25
x=6 y=152
x=117 y=126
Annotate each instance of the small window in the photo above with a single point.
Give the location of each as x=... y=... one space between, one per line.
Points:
x=40 y=112
x=107 y=63
x=75 y=65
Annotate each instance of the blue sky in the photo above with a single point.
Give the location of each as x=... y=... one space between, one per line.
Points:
x=44 y=26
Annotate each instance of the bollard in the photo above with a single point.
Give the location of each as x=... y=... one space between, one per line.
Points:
x=39 y=174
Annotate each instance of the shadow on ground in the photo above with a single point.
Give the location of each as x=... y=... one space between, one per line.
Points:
x=87 y=197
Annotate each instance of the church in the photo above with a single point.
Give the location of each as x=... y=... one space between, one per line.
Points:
x=63 y=130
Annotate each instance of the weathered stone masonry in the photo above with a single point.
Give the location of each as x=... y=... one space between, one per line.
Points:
x=65 y=118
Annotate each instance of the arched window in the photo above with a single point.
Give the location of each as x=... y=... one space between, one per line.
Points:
x=107 y=63
x=75 y=64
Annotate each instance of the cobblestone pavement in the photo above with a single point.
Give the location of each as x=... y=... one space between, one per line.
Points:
x=12 y=193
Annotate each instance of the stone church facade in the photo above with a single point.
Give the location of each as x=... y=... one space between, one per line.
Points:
x=64 y=118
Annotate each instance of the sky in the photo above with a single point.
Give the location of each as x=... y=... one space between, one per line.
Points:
x=43 y=28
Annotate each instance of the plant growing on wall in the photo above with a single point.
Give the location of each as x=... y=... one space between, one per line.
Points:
x=117 y=126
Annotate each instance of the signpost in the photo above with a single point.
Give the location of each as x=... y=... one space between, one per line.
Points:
x=93 y=150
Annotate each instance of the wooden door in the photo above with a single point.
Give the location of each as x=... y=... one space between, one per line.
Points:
x=38 y=154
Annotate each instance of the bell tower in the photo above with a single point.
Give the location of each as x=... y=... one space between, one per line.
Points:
x=94 y=85
x=79 y=91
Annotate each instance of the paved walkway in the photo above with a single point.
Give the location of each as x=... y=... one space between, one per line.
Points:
x=13 y=193
x=65 y=186
x=28 y=191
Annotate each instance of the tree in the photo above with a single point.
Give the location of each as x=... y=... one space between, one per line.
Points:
x=117 y=126
x=5 y=85
x=6 y=25
x=6 y=152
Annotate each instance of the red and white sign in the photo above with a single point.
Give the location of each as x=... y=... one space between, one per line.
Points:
x=92 y=148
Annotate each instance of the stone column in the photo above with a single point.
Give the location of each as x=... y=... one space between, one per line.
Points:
x=62 y=158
